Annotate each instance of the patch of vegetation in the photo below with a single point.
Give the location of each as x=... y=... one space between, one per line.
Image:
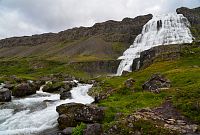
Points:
x=144 y=127
x=32 y=69
x=83 y=58
x=78 y=130
x=118 y=47
x=125 y=101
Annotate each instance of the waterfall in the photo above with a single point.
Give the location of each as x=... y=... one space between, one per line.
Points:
x=160 y=30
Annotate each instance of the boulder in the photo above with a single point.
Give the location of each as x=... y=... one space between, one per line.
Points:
x=156 y=83
x=5 y=95
x=65 y=94
x=34 y=85
x=59 y=86
x=9 y=86
x=23 y=89
x=66 y=120
x=93 y=129
x=129 y=83
x=73 y=113
x=67 y=131
x=52 y=87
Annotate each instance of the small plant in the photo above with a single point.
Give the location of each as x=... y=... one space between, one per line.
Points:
x=78 y=130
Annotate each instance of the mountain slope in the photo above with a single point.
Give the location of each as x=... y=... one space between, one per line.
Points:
x=179 y=102
x=105 y=40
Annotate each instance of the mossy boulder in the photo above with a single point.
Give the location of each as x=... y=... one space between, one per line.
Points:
x=75 y=113
x=23 y=89
x=156 y=82
x=59 y=86
x=53 y=87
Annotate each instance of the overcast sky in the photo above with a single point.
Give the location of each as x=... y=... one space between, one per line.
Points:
x=27 y=17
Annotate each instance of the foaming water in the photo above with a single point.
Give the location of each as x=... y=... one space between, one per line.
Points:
x=37 y=113
x=160 y=30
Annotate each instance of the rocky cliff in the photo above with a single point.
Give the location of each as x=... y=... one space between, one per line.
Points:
x=98 y=67
x=101 y=41
x=161 y=53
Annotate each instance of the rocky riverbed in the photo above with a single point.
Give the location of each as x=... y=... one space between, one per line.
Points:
x=36 y=113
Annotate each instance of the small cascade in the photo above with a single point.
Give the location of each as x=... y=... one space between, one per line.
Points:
x=36 y=113
x=160 y=30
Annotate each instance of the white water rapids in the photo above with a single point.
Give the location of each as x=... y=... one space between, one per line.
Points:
x=37 y=113
x=160 y=30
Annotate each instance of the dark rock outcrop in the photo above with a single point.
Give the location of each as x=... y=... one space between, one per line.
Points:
x=93 y=129
x=23 y=89
x=5 y=95
x=159 y=53
x=73 y=113
x=193 y=15
x=65 y=94
x=104 y=66
x=155 y=83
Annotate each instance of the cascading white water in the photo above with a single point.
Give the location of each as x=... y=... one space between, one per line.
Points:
x=37 y=113
x=160 y=30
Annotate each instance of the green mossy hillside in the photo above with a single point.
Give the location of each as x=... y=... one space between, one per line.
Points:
x=184 y=74
x=33 y=68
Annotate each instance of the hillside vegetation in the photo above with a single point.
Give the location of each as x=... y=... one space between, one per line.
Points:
x=184 y=74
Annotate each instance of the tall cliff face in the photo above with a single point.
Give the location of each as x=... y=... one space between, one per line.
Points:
x=105 y=40
x=193 y=15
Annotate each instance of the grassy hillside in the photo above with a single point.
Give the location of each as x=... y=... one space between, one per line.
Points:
x=184 y=75
x=34 y=68
x=85 y=49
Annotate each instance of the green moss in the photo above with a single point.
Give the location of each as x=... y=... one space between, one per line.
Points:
x=78 y=130
x=32 y=69
x=125 y=101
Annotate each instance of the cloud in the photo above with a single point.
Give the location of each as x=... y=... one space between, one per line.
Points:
x=26 y=17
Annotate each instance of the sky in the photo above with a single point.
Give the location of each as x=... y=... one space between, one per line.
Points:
x=28 y=17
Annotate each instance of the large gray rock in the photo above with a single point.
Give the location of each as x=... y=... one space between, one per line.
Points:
x=156 y=82
x=73 y=113
x=65 y=95
x=59 y=86
x=5 y=95
x=23 y=89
